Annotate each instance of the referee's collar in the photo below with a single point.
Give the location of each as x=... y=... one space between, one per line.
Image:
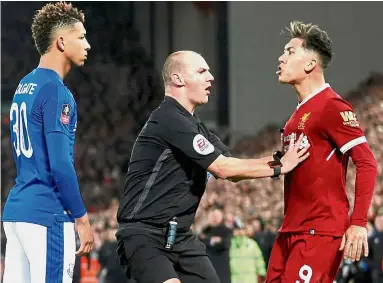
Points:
x=171 y=101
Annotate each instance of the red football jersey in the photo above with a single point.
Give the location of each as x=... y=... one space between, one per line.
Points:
x=314 y=192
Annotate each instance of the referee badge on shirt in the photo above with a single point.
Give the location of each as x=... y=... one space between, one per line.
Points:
x=202 y=145
x=65 y=114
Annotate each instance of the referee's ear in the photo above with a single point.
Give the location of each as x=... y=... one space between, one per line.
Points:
x=178 y=80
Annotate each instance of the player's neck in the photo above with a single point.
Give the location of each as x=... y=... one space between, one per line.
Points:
x=308 y=87
x=59 y=64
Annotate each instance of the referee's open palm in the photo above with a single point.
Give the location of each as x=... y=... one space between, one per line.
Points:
x=293 y=156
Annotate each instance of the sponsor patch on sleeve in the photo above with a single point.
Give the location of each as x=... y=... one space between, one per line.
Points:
x=349 y=119
x=201 y=145
x=65 y=114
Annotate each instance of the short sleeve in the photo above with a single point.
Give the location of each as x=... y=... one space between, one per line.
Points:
x=182 y=135
x=216 y=141
x=57 y=110
x=341 y=125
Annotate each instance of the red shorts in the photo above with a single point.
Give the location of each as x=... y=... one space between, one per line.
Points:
x=304 y=258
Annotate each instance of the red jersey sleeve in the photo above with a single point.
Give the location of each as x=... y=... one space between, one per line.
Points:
x=341 y=125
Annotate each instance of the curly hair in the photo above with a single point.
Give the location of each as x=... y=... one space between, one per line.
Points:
x=314 y=39
x=51 y=18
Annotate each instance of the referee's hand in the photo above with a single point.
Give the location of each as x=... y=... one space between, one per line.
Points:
x=294 y=155
x=85 y=233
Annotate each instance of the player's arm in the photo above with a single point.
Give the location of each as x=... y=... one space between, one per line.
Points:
x=366 y=172
x=56 y=132
x=64 y=173
x=354 y=241
x=343 y=130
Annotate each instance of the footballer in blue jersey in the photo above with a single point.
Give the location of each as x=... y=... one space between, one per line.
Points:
x=42 y=105
x=45 y=203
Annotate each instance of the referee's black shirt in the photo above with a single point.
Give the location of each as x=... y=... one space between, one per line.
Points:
x=167 y=170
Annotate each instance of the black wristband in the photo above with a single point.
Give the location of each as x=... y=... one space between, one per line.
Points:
x=276 y=165
x=277 y=172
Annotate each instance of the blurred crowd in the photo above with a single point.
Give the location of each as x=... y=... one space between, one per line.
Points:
x=115 y=92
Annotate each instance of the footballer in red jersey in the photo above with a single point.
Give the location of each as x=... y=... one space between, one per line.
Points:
x=317 y=230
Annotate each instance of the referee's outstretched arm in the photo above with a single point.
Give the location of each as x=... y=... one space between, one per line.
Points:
x=187 y=79
x=236 y=169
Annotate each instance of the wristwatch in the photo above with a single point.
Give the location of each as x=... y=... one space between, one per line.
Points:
x=276 y=165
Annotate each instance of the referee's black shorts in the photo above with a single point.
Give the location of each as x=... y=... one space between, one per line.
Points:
x=142 y=256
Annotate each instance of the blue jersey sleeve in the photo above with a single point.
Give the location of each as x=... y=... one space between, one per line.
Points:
x=64 y=173
x=58 y=112
x=57 y=109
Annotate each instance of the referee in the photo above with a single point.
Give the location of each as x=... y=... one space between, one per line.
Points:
x=166 y=179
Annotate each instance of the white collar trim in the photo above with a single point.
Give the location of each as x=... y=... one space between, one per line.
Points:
x=307 y=98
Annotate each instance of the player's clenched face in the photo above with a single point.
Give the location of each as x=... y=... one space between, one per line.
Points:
x=75 y=44
x=294 y=63
x=197 y=79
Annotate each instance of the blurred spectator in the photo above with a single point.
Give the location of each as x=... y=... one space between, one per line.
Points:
x=229 y=220
x=375 y=243
x=246 y=259
x=264 y=238
x=352 y=272
x=111 y=269
x=217 y=238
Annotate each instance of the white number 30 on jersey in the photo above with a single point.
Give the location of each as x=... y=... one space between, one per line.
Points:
x=305 y=273
x=21 y=123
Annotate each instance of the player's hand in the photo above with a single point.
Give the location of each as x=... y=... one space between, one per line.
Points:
x=293 y=156
x=85 y=233
x=353 y=242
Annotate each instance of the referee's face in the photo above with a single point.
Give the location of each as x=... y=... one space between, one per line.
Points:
x=198 y=79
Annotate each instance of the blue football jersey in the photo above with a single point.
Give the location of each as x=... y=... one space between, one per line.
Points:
x=35 y=198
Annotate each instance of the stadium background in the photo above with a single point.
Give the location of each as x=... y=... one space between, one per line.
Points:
x=241 y=41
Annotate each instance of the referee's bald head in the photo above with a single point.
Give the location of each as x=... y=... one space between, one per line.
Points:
x=176 y=63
